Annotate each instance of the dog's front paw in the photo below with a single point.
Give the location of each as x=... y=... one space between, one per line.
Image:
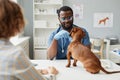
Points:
x=74 y=64
x=68 y=65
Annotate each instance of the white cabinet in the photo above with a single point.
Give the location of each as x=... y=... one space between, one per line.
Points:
x=45 y=20
x=40 y=54
x=115 y=57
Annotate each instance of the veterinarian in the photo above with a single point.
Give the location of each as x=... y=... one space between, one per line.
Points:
x=60 y=39
x=14 y=63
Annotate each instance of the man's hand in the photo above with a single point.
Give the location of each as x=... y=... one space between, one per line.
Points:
x=62 y=34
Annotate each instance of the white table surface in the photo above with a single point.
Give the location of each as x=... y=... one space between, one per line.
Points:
x=78 y=73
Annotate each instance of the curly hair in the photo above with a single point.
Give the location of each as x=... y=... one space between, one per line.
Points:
x=11 y=19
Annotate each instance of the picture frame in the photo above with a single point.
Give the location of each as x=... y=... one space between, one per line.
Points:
x=103 y=20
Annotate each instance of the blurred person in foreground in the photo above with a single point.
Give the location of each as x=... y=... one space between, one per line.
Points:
x=14 y=63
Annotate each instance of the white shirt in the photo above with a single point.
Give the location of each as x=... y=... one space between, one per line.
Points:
x=15 y=65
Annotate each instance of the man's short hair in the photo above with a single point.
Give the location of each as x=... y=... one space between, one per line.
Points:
x=64 y=8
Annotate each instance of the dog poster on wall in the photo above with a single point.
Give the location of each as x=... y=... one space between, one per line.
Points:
x=103 y=20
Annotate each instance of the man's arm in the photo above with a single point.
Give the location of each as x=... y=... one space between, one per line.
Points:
x=52 y=50
x=86 y=39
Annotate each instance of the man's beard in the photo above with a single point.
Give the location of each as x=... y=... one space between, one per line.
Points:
x=67 y=28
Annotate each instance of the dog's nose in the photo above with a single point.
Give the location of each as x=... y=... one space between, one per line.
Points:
x=69 y=34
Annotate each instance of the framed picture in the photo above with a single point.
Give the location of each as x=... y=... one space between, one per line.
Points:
x=78 y=11
x=103 y=20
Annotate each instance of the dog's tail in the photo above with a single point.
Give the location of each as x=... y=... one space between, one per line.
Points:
x=107 y=72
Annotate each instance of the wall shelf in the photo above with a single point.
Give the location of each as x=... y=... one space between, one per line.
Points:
x=45 y=21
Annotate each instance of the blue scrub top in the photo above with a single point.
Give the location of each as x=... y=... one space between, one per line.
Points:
x=64 y=42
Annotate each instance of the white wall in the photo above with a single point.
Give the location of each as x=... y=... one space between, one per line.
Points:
x=93 y=6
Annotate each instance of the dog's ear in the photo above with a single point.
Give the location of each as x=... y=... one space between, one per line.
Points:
x=81 y=32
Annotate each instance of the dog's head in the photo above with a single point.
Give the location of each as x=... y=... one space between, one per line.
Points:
x=77 y=33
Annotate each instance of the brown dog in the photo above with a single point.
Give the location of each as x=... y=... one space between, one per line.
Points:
x=81 y=53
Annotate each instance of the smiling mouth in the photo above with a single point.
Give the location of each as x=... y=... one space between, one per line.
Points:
x=67 y=25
